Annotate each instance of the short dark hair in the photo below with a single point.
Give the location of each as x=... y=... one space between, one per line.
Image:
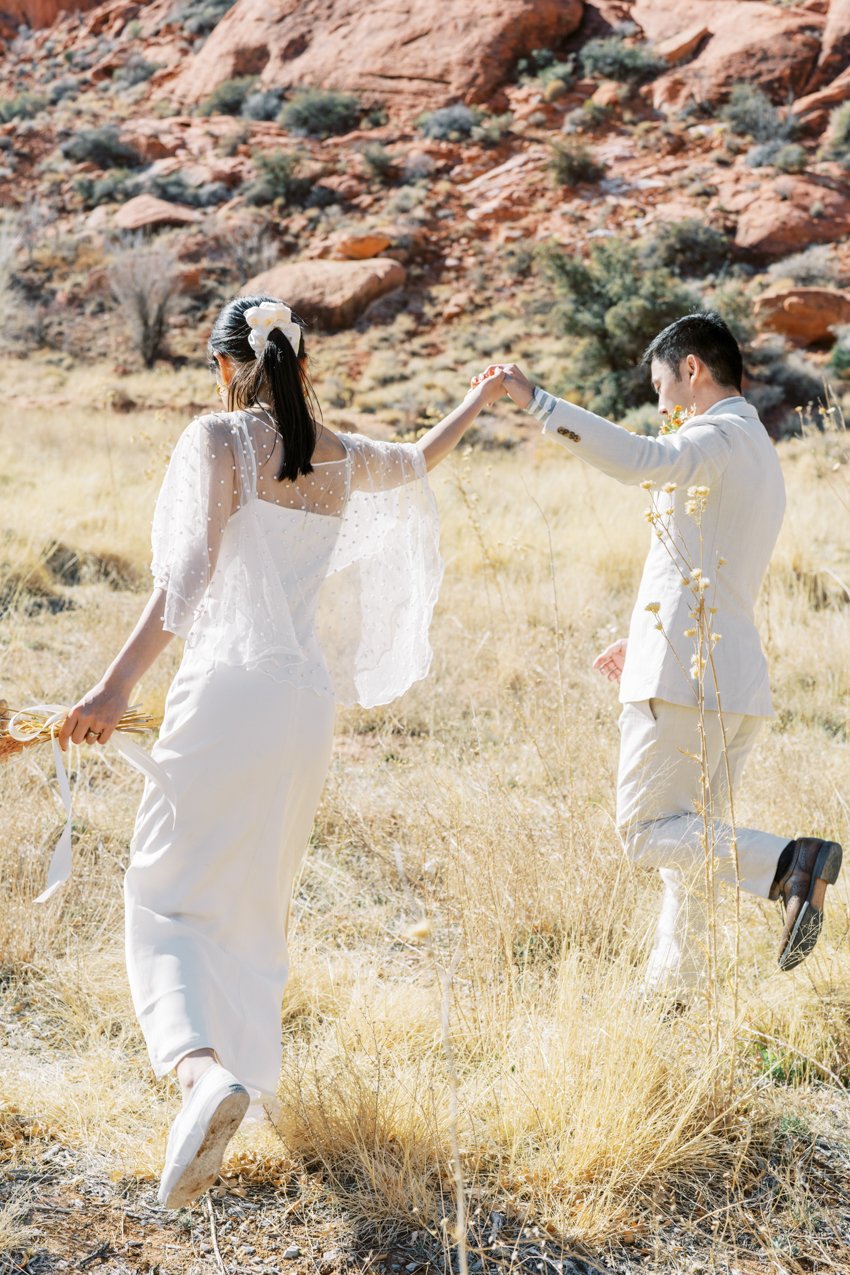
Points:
x=708 y=337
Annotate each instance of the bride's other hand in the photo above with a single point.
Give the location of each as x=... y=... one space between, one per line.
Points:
x=515 y=382
x=610 y=661
x=99 y=710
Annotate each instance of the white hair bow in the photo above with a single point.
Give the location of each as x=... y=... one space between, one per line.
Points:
x=267 y=315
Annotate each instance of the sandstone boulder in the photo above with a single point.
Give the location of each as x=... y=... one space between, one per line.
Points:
x=793 y=213
x=814 y=109
x=675 y=48
x=146 y=211
x=331 y=294
x=412 y=56
x=362 y=246
x=749 y=40
x=835 y=47
x=806 y=316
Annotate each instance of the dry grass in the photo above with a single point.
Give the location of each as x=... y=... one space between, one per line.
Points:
x=483 y=802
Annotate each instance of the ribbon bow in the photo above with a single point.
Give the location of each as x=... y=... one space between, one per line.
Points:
x=39 y=717
x=267 y=315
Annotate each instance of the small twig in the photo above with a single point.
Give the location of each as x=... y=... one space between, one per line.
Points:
x=211 y=1215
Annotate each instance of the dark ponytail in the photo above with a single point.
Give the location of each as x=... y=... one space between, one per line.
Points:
x=278 y=375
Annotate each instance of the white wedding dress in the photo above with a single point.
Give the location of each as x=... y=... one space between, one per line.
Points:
x=292 y=596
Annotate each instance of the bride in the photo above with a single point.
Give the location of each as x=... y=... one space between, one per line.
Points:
x=301 y=567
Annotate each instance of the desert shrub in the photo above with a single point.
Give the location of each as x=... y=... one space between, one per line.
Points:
x=838 y=144
x=449 y=123
x=839 y=356
x=143 y=278
x=781 y=381
x=114 y=187
x=788 y=157
x=610 y=306
x=320 y=113
x=570 y=163
x=24 y=106
x=135 y=70
x=102 y=146
x=198 y=17
x=612 y=59
x=750 y=111
x=277 y=179
x=227 y=98
x=379 y=161
x=543 y=66
x=587 y=118
x=262 y=104
x=174 y=188
x=66 y=87
x=809 y=268
x=687 y=248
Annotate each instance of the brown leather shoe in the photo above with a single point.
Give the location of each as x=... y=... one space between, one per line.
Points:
x=815 y=864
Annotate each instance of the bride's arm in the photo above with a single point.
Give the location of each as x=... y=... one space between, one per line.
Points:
x=445 y=436
x=102 y=707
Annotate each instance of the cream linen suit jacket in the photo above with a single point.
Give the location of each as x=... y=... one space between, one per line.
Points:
x=726 y=449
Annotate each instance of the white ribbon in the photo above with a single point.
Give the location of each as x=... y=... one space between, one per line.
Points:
x=51 y=715
x=267 y=315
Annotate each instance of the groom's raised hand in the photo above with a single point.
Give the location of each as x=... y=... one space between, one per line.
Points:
x=515 y=382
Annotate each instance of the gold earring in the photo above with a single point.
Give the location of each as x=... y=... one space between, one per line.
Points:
x=221 y=390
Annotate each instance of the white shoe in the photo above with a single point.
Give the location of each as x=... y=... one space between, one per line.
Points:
x=201 y=1131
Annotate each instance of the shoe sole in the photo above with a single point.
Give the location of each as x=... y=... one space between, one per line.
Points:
x=807 y=927
x=202 y=1170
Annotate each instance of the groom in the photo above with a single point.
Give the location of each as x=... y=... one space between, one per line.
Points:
x=723 y=447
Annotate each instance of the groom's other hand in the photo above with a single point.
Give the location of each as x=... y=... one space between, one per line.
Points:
x=516 y=382
x=610 y=662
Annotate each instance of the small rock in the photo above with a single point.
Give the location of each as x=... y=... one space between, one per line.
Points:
x=292 y=1251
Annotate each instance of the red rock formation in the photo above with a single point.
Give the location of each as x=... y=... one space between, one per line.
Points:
x=807 y=316
x=332 y=294
x=410 y=54
x=791 y=214
x=750 y=40
x=145 y=211
x=42 y=13
x=835 y=49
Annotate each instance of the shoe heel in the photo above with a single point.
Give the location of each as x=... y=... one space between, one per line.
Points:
x=828 y=863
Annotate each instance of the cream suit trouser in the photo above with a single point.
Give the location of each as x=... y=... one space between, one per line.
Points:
x=659 y=793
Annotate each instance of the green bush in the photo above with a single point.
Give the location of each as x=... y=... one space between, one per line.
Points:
x=612 y=59
x=101 y=146
x=198 y=17
x=449 y=123
x=277 y=179
x=570 y=163
x=687 y=248
x=810 y=268
x=609 y=307
x=228 y=98
x=838 y=145
x=262 y=104
x=114 y=187
x=750 y=111
x=379 y=161
x=788 y=157
x=135 y=70
x=541 y=66
x=22 y=107
x=320 y=113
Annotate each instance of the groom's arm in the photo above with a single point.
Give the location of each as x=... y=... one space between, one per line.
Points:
x=698 y=452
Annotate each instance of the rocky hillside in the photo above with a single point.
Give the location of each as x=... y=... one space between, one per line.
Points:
x=573 y=172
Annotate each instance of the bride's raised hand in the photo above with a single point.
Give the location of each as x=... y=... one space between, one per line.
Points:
x=516 y=382
x=489 y=386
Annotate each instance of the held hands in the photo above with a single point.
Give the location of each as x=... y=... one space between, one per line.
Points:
x=610 y=662
x=94 y=717
x=488 y=387
x=512 y=379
